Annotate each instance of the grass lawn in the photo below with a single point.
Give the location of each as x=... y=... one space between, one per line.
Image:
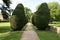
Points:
x=7 y=34
x=55 y=24
x=47 y=35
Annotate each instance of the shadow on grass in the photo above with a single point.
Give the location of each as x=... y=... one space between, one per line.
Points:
x=4 y=29
x=7 y=34
x=13 y=35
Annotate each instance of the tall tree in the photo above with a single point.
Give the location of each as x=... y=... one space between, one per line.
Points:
x=5 y=9
x=7 y=2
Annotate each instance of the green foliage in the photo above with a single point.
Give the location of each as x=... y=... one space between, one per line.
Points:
x=5 y=9
x=28 y=13
x=54 y=11
x=18 y=19
x=33 y=19
x=41 y=17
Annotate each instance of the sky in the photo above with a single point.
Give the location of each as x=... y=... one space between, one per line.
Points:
x=29 y=3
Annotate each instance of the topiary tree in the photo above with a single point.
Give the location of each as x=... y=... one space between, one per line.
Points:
x=18 y=19
x=41 y=17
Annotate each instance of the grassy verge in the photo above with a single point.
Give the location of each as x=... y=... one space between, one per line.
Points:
x=55 y=24
x=46 y=35
x=7 y=34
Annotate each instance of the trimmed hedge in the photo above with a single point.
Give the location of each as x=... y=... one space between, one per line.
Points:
x=41 y=17
x=18 y=19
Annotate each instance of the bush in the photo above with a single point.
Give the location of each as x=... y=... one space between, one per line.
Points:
x=18 y=19
x=41 y=17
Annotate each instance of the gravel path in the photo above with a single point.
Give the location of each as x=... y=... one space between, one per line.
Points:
x=29 y=33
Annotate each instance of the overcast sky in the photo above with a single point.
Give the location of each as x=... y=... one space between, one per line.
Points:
x=29 y=3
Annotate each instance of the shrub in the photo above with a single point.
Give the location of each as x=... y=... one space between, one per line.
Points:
x=18 y=19
x=41 y=17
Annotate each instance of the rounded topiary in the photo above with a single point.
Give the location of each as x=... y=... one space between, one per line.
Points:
x=41 y=17
x=18 y=19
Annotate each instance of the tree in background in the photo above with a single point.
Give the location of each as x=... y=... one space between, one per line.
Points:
x=18 y=18
x=58 y=14
x=5 y=9
x=41 y=17
x=7 y=2
x=4 y=13
x=54 y=11
x=28 y=13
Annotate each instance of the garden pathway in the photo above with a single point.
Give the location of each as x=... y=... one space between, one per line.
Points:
x=29 y=33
